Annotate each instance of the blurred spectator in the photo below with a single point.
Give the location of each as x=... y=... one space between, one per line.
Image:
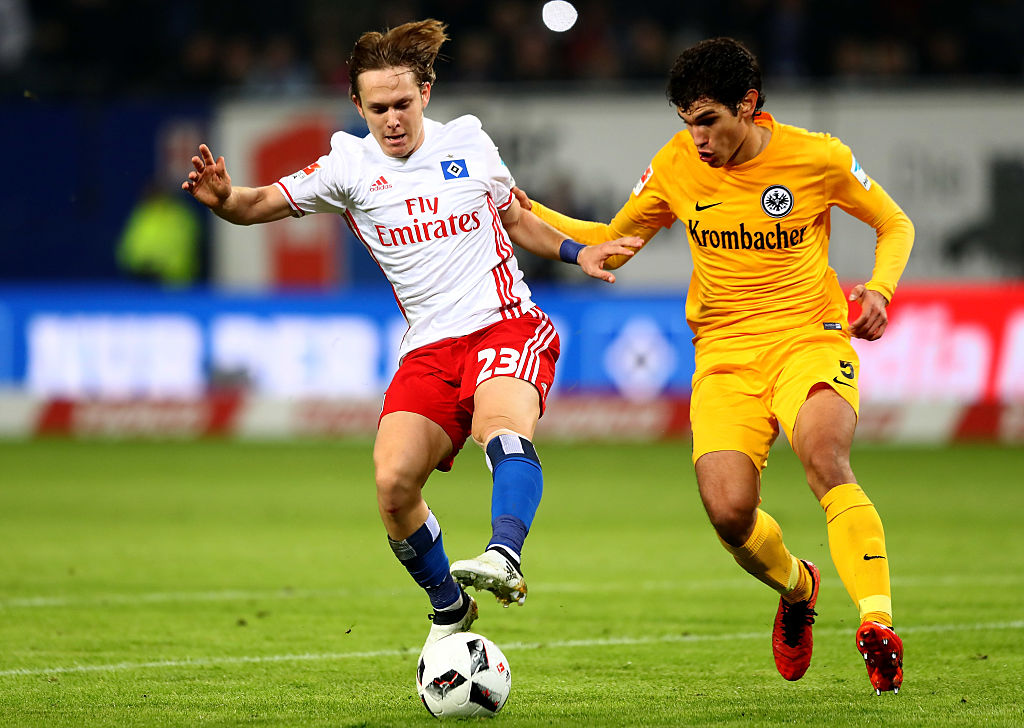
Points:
x=111 y=47
x=995 y=28
x=279 y=71
x=786 y=41
x=236 y=63
x=199 y=64
x=474 y=57
x=329 y=69
x=15 y=35
x=161 y=239
x=647 y=50
x=594 y=47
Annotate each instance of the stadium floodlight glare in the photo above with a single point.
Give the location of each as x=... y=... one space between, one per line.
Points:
x=559 y=15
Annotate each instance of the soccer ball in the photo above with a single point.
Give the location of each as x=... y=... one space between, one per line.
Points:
x=463 y=675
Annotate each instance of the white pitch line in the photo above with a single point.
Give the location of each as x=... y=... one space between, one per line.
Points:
x=512 y=646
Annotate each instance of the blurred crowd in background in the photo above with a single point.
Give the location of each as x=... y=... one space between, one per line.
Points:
x=83 y=82
x=107 y=48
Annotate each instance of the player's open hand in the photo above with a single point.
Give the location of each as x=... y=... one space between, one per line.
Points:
x=594 y=258
x=209 y=182
x=873 y=319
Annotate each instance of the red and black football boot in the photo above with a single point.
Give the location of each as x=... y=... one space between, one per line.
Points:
x=882 y=650
x=792 y=640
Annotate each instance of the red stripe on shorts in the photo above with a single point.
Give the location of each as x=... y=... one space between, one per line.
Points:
x=529 y=362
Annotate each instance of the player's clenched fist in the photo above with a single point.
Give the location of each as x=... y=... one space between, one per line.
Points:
x=873 y=319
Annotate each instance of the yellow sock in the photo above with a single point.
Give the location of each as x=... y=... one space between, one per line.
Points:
x=857 y=543
x=766 y=557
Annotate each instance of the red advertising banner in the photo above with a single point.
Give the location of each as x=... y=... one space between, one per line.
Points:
x=951 y=342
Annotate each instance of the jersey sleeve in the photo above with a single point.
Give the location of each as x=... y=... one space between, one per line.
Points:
x=595 y=233
x=645 y=212
x=499 y=179
x=648 y=204
x=643 y=215
x=591 y=232
x=851 y=189
x=320 y=187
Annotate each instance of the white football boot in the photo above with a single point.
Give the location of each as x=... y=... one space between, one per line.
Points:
x=448 y=622
x=495 y=573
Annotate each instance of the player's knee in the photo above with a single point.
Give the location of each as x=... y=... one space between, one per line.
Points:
x=487 y=429
x=733 y=521
x=397 y=491
x=827 y=466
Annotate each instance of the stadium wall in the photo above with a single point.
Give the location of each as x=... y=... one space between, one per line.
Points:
x=584 y=152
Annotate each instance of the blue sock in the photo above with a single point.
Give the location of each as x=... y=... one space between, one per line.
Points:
x=423 y=555
x=518 y=485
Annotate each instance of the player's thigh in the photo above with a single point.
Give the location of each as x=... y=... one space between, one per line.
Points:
x=730 y=489
x=505 y=403
x=407 y=448
x=808 y=363
x=509 y=370
x=428 y=384
x=822 y=439
x=729 y=411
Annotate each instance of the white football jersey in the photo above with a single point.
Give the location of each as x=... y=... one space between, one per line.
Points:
x=430 y=221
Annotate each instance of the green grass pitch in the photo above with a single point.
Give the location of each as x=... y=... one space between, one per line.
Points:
x=218 y=583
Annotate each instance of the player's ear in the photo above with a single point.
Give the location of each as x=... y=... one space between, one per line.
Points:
x=748 y=105
x=359 y=105
x=425 y=93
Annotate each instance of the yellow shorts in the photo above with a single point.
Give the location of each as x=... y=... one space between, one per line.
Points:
x=746 y=387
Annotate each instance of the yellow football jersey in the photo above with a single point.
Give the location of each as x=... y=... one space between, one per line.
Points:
x=759 y=231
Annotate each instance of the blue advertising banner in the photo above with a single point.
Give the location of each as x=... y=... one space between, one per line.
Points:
x=144 y=342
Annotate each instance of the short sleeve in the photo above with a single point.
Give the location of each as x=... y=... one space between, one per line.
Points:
x=320 y=186
x=498 y=177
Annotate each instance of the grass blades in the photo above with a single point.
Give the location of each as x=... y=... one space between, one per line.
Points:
x=220 y=583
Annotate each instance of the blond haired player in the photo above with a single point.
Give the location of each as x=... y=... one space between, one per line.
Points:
x=771 y=332
x=433 y=205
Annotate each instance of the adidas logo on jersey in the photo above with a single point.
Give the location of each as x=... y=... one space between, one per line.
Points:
x=380 y=184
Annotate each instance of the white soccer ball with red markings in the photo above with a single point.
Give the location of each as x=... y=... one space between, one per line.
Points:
x=463 y=675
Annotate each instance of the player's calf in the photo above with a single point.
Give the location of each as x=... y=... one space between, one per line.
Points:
x=516 y=494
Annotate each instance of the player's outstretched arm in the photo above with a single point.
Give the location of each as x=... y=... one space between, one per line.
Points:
x=533 y=234
x=210 y=183
x=873 y=319
x=587 y=232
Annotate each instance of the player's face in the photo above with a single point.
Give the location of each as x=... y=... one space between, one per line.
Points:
x=392 y=104
x=720 y=134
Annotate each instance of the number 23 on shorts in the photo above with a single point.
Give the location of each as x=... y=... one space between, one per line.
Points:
x=503 y=362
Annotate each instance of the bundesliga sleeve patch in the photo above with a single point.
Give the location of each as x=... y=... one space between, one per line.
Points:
x=303 y=173
x=454 y=168
x=857 y=171
x=648 y=173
